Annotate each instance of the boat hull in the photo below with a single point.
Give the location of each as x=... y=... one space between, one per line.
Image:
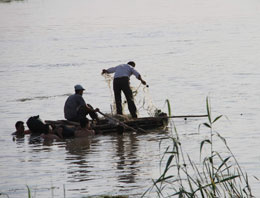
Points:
x=109 y=126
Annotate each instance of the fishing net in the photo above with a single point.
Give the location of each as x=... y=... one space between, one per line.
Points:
x=109 y=80
x=142 y=99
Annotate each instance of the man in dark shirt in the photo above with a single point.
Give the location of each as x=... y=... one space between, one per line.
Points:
x=75 y=107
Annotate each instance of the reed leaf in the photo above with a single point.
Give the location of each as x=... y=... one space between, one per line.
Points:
x=29 y=191
x=222 y=138
x=169 y=107
x=217 y=118
x=159 y=191
x=181 y=192
x=169 y=162
x=208 y=109
x=163 y=179
x=223 y=163
x=211 y=159
x=229 y=178
x=214 y=184
x=207 y=125
x=164 y=155
x=202 y=143
x=201 y=190
x=227 y=166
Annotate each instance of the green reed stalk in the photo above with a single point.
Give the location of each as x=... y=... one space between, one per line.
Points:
x=29 y=191
x=169 y=107
x=215 y=176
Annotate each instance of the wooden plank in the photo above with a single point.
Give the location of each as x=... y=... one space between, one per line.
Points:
x=187 y=116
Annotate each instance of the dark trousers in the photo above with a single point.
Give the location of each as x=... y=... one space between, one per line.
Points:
x=83 y=112
x=123 y=84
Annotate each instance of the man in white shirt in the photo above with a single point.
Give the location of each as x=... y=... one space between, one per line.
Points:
x=122 y=83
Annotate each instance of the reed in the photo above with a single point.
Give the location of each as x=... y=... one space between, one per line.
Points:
x=213 y=176
x=28 y=191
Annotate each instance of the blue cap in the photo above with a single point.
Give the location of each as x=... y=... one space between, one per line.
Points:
x=78 y=87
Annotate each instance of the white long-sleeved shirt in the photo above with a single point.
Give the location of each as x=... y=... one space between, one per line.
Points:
x=123 y=70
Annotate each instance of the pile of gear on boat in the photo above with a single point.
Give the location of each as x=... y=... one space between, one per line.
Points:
x=76 y=110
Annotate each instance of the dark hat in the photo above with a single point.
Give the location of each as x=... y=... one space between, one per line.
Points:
x=78 y=87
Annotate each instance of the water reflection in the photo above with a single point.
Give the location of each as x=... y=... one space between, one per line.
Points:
x=19 y=139
x=85 y=164
x=126 y=150
x=78 y=167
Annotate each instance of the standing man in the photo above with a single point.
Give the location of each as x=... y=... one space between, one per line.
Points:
x=122 y=83
x=76 y=109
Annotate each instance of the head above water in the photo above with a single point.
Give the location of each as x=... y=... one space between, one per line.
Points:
x=19 y=126
x=132 y=63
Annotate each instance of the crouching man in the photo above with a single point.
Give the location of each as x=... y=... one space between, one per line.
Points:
x=76 y=109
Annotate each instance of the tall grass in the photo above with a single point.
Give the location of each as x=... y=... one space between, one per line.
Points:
x=214 y=175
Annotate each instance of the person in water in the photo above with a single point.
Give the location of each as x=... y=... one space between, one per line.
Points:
x=19 y=126
x=75 y=108
x=122 y=83
x=84 y=129
x=64 y=132
x=50 y=134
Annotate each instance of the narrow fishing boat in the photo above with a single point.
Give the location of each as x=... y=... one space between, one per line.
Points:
x=110 y=124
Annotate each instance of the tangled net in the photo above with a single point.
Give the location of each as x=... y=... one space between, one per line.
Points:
x=141 y=96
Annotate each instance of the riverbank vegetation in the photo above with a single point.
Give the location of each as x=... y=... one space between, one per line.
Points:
x=216 y=174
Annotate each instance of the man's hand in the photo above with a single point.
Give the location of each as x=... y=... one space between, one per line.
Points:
x=143 y=82
x=104 y=71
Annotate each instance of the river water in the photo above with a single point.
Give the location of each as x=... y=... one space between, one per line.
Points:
x=186 y=50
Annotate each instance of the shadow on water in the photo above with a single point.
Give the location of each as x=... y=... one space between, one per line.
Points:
x=40 y=97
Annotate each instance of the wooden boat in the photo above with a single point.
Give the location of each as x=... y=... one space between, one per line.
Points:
x=109 y=124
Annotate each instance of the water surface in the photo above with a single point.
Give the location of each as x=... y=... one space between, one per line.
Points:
x=185 y=50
